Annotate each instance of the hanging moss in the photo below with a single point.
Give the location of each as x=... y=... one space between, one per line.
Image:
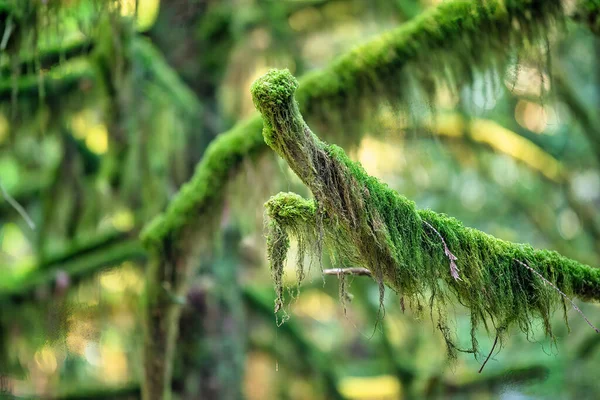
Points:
x=429 y=258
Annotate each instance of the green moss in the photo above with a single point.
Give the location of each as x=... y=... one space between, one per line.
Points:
x=197 y=201
x=363 y=222
x=454 y=39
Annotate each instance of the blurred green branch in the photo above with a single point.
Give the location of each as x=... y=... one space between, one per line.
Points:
x=63 y=80
x=79 y=262
x=47 y=58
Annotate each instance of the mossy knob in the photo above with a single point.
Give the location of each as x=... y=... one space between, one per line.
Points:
x=274 y=89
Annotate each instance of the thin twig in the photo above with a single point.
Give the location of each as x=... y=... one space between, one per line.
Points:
x=453 y=267
x=489 y=355
x=561 y=293
x=347 y=271
x=17 y=207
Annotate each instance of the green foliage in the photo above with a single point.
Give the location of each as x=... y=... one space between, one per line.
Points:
x=365 y=223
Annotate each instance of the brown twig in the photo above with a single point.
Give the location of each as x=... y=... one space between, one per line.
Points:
x=489 y=355
x=348 y=271
x=453 y=267
x=561 y=293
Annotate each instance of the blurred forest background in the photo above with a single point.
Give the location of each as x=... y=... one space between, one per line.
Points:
x=106 y=108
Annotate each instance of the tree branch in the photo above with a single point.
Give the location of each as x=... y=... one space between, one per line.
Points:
x=347 y=271
x=79 y=262
x=369 y=74
x=382 y=231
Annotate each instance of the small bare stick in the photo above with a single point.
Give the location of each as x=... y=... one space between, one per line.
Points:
x=561 y=293
x=347 y=271
x=17 y=207
x=453 y=267
x=489 y=355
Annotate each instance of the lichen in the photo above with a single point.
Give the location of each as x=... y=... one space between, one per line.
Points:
x=362 y=222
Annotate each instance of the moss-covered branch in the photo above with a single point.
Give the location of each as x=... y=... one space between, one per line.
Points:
x=369 y=74
x=453 y=40
x=427 y=257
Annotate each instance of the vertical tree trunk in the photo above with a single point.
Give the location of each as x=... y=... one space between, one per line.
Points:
x=211 y=346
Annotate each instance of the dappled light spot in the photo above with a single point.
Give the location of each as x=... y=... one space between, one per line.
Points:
x=147 y=13
x=534 y=117
x=377 y=387
x=375 y=155
x=10 y=173
x=87 y=126
x=92 y=354
x=569 y=225
x=45 y=360
x=13 y=241
x=261 y=39
x=305 y=18
x=76 y=343
x=396 y=331
x=121 y=279
x=113 y=364
x=80 y=122
x=522 y=80
x=127 y=7
x=316 y=305
x=484 y=92
x=586 y=185
x=472 y=195
x=260 y=376
x=97 y=139
x=504 y=170
x=123 y=220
